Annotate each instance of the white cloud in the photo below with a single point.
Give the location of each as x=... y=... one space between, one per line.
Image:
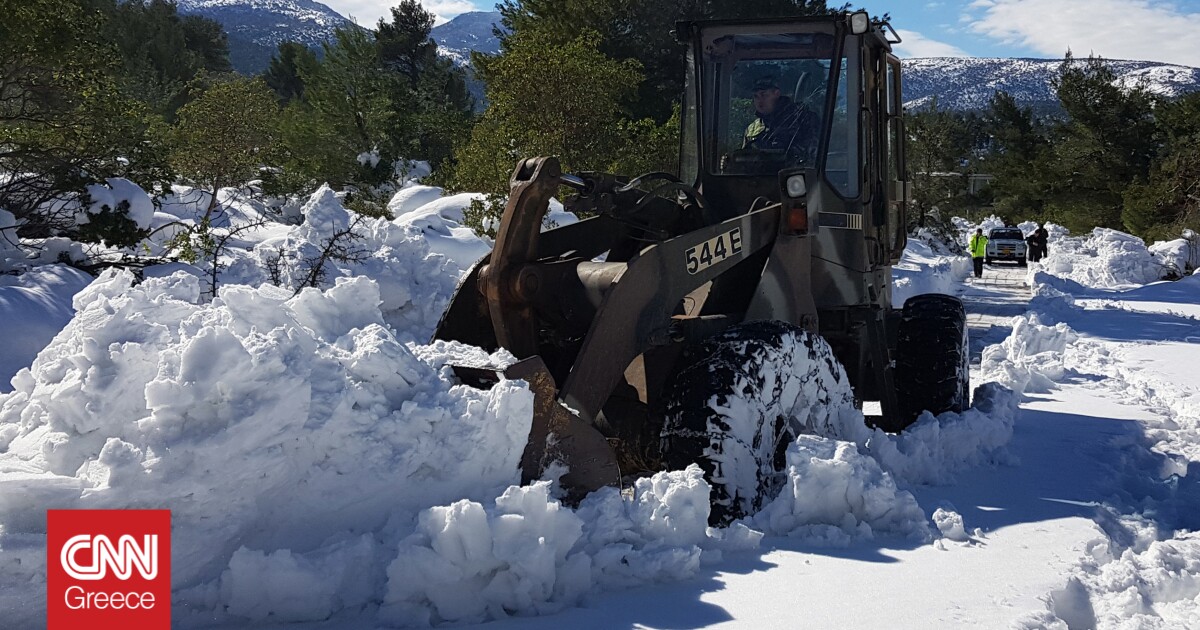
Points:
x=914 y=44
x=368 y=12
x=1152 y=30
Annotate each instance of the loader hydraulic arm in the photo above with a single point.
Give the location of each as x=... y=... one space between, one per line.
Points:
x=507 y=282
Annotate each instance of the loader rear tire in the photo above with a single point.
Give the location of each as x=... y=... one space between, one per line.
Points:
x=738 y=402
x=932 y=356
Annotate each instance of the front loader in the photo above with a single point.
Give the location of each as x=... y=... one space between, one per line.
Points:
x=637 y=326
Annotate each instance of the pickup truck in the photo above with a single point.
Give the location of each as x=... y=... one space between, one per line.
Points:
x=1006 y=244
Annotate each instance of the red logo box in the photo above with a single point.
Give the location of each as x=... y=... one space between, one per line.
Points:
x=108 y=569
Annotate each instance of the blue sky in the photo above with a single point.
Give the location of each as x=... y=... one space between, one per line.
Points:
x=1155 y=30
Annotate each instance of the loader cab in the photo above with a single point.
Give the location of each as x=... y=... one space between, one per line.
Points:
x=842 y=129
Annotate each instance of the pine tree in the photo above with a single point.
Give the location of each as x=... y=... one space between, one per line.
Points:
x=1170 y=200
x=285 y=73
x=224 y=136
x=940 y=152
x=1017 y=156
x=1106 y=144
x=547 y=98
x=64 y=119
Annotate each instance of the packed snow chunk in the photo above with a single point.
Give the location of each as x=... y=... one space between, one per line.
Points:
x=673 y=506
x=935 y=448
x=1034 y=356
x=34 y=306
x=1181 y=256
x=323 y=212
x=950 y=524
x=657 y=536
x=835 y=495
x=467 y=563
x=282 y=586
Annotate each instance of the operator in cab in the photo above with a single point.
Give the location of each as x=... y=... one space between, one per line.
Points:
x=781 y=125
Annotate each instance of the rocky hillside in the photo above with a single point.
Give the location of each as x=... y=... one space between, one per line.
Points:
x=256 y=27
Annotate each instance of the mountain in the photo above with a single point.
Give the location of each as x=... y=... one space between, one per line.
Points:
x=965 y=83
x=960 y=83
x=256 y=27
x=465 y=33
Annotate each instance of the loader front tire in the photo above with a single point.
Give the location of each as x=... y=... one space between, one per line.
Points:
x=932 y=356
x=740 y=399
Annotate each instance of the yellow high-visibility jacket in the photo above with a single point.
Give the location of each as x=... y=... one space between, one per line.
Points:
x=978 y=246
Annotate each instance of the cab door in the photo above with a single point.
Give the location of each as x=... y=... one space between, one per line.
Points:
x=898 y=189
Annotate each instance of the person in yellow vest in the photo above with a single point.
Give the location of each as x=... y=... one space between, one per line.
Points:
x=978 y=247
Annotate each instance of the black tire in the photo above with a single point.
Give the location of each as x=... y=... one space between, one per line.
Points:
x=932 y=357
x=987 y=261
x=738 y=402
x=1021 y=262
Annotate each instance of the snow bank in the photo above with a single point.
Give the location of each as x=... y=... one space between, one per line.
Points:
x=296 y=419
x=34 y=307
x=924 y=269
x=1104 y=259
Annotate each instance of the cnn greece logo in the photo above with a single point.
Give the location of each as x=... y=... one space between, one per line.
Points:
x=122 y=557
x=108 y=569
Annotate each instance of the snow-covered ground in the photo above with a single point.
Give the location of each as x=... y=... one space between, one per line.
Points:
x=324 y=467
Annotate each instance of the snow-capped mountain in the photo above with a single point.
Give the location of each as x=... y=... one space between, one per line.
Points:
x=468 y=32
x=256 y=27
x=964 y=83
x=957 y=82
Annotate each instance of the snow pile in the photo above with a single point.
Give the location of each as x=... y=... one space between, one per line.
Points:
x=440 y=221
x=1105 y=259
x=414 y=283
x=835 y=495
x=1034 y=356
x=297 y=419
x=1181 y=255
x=36 y=306
x=935 y=448
x=925 y=268
x=527 y=554
x=116 y=195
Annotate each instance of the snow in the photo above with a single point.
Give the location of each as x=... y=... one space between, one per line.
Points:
x=324 y=466
x=36 y=306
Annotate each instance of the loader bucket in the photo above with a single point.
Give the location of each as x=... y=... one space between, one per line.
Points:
x=557 y=434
